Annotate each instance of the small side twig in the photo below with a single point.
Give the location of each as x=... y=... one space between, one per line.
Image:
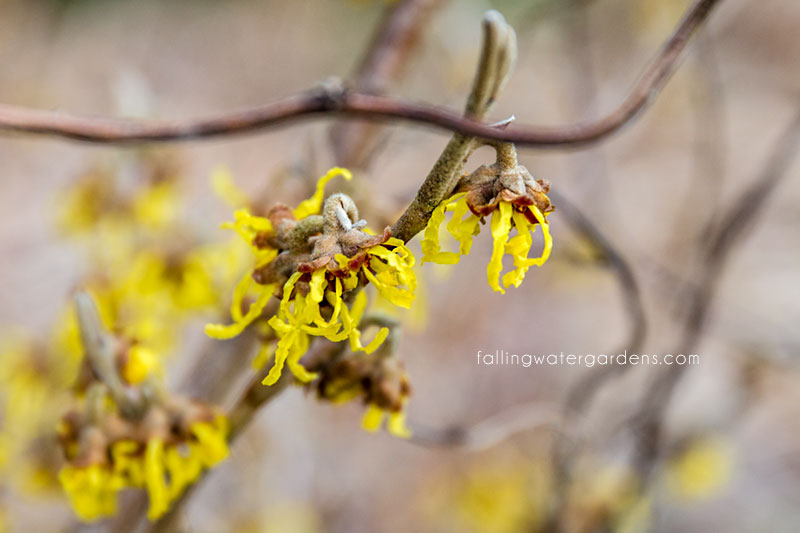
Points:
x=498 y=54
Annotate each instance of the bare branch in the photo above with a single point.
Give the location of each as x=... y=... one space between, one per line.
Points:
x=392 y=46
x=738 y=218
x=338 y=101
x=493 y=430
x=498 y=52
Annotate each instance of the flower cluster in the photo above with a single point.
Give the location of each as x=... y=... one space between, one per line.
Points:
x=148 y=275
x=514 y=199
x=33 y=378
x=316 y=265
x=148 y=278
x=163 y=452
x=128 y=432
x=380 y=382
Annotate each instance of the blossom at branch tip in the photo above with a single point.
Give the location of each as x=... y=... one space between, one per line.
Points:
x=515 y=202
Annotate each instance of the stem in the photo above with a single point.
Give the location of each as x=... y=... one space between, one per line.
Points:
x=497 y=58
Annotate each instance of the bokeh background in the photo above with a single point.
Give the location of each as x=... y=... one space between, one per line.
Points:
x=730 y=453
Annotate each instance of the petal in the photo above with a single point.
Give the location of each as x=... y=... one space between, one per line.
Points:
x=501 y=225
x=377 y=341
x=313 y=204
x=219 y=331
x=372 y=418
x=397 y=425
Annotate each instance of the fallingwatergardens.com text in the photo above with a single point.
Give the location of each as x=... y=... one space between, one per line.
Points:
x=502 y=357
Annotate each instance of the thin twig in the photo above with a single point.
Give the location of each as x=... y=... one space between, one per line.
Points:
x=494 y=429
x=339 y=101
x=391 y=48
x=498 y=52
x=255 y=396
x=581 y=394
x=738 y=218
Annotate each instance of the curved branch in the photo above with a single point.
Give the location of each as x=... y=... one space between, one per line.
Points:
x=495 y=429
x=339 y=101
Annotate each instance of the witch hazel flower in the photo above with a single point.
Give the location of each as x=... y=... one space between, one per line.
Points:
x=316 y=266
x=515 y=201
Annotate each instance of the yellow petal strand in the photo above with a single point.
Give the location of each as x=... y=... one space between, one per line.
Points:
x=312 y=205
x=463 y=229
x=219 y=331
x=238 y=296
x=548 y=239
x=397 y=425
x=358 y=307
x=175 y=466
x=377 y=341
x=317 y=285
x=372 y=418
x=281 y=354
x=501 y=226
x=288 y=287
x=430 y=241
x=224 y=187
x=155 y=479
x=298 y=370
x=518 y=247
x=337 y=301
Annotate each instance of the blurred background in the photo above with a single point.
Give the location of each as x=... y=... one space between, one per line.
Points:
x=496 y=448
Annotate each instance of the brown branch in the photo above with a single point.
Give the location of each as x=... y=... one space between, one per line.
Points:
x=338 y=101
x=495 y=429
x=736 y=220
x=391 y=48
x=580 y=395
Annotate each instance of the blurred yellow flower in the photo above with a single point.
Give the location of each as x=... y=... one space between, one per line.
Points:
x=702 y=470
x=163 y=468
x=395 y=421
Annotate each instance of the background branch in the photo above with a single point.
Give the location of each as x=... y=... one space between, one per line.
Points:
x=739 y=217
x=393 y=44
x=338 y=101
x=493 y=430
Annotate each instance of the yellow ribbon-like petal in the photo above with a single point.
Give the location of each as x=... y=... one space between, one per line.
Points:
x=312 y=205
x=501 y=226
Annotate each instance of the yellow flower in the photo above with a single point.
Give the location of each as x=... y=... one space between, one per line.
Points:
x=299 y=317
x=250 y=227
x=464 y=224
x=169 y=469
x=164 y=468
x=395 y=421
x=92 y=490
x=388 y=267
x=141 y=363
x=294 y=248
x=702 y=470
